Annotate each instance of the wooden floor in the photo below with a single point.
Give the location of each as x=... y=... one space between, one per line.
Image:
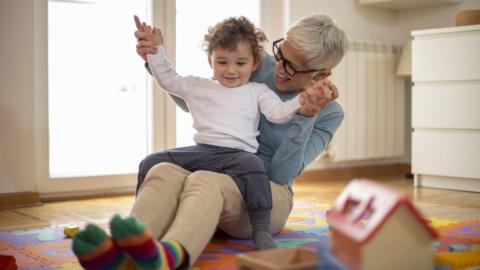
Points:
x=432 y=202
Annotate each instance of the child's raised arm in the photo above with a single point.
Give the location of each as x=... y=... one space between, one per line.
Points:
x=148 y=38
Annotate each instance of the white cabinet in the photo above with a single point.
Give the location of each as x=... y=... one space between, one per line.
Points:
x=446 y=107
x=407 y=4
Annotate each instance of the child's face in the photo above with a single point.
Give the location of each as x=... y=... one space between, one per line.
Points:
x=233 y=68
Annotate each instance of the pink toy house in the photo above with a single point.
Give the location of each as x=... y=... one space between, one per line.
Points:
x=374 y=227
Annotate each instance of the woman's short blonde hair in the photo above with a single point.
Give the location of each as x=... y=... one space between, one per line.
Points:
x=319 y=39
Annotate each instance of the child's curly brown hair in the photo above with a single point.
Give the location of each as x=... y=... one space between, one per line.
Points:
x=229 y=32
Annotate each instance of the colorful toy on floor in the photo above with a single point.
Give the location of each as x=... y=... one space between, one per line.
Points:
x=70 y=230
x=458 y=260
x=278 y=259
x=8 y=262
x=374 y=227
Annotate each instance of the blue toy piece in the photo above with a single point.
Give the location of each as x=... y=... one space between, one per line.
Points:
x=326 y=260
x=457 y=248
x=442 y=267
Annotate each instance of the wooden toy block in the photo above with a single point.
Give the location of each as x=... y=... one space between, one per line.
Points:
x=8 y=262
x=278 y=259
x=70 y=230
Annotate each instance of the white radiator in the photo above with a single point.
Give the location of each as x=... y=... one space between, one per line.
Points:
x=373 y=99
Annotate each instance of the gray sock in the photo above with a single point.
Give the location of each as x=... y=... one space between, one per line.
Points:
x=262 y=237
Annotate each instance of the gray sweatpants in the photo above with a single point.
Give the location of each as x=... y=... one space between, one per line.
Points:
x=246 y=169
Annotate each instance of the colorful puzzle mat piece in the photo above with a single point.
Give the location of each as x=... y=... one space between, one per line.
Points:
x=48 y=248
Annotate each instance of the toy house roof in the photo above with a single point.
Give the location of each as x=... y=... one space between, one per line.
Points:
x=364 y=206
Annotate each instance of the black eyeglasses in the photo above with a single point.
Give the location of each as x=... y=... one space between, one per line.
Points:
x=287 y=66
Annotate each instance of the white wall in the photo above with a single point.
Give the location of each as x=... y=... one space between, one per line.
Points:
x=357 y=21
x=17 y=172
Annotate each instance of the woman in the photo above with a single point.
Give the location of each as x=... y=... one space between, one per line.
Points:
x=311 y=48
x=183 y=209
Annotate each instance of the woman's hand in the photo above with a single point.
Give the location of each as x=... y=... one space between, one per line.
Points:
x=316 y=96
x=148 y=38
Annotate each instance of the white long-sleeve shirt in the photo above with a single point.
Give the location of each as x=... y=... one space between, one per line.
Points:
x=223 y=116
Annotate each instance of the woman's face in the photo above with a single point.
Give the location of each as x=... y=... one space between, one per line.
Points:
x=284 y=81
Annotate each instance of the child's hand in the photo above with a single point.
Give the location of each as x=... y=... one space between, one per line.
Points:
x=148 y=38
x=316 y=96
x=154 y=35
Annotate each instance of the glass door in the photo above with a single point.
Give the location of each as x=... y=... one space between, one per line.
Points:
x=99 y=118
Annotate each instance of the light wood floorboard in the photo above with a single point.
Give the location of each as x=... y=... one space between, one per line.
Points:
x=447 y=204
x=440 y=203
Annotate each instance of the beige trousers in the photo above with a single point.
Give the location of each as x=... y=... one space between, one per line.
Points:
x=179 y=205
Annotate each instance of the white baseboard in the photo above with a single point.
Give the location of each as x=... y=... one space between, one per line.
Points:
x=85 y=194
x=455 y=183
x=324 y=162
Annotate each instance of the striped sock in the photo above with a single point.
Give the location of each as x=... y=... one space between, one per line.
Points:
x=95 y=250
x=130 y=236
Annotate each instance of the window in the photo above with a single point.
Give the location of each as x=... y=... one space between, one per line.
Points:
x=98 y=91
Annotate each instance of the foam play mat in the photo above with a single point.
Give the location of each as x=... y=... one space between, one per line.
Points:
x=47 y=248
